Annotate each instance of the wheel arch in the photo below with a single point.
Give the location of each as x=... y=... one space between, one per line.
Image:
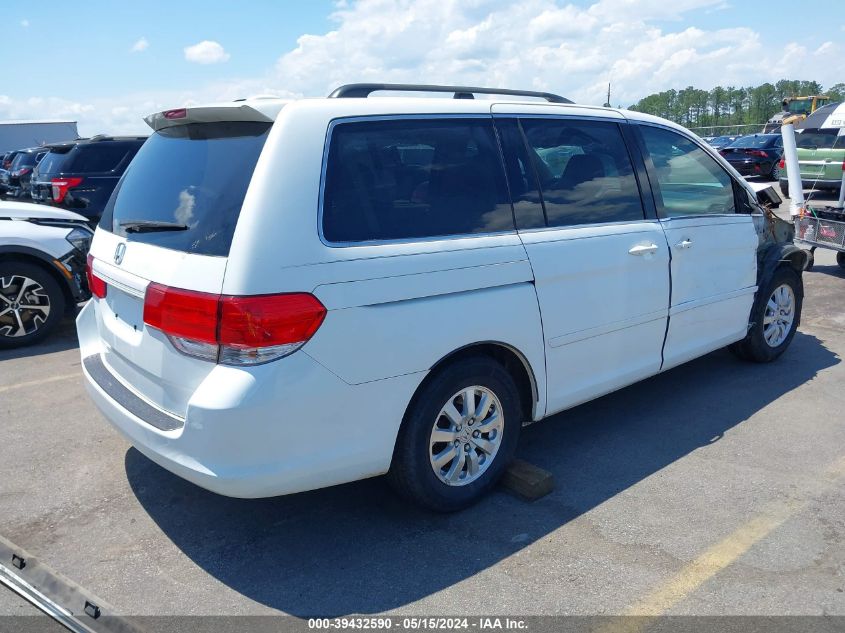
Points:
x=780 y=255
x=43 y=261
x=514 y=361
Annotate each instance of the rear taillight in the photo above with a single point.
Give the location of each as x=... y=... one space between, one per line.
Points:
x=62 y=185
x=843 y=165
x=96 y=285
x=23 y=171
x=179 y=113
x=782 y=163
x=233 y=330
x=182 y=313
x=756 y=152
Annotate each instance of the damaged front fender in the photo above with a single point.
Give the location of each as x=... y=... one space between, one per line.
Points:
x=775 y=247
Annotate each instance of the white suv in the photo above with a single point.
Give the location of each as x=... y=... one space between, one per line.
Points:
x=296 y=294
x=42 y=270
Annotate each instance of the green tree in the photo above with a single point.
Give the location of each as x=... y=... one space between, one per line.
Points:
x=730 y=106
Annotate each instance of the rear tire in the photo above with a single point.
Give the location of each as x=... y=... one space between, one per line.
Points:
x=444 y=459
x=774 y=318
x=840 y=259
x=31 y=304
x=784 y=189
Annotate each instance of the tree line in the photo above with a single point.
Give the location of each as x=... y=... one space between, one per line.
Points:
x=730 y=106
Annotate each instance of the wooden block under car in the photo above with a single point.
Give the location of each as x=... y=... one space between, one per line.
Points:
x=527 y=480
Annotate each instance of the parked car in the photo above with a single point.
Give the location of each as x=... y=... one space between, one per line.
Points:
x=756 y=155
x=291 y=295
x=7 y=158
x=5 y=162
x=821 y=160
x=722 y=141
x=16 y=179
x=80 y=176
x=42 y=270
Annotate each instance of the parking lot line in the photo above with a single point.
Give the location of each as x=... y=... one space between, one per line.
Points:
x=714 y=560
x=43 y=381
x=717 y=558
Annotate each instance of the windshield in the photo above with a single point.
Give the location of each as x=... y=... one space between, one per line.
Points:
x=819 y=139
x=194 y=175
x=757 y=140
x=800 y=106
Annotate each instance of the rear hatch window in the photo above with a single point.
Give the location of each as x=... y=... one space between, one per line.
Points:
x=755 y=142
x=819 y=139
x=185 y=187
x=52 y=162
x=26 y=159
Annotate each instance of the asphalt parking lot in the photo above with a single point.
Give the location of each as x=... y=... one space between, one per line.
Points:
x=715 y=488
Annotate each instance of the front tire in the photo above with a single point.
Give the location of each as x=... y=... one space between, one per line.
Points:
x=458 y=436
x=31 y=304
x=774 y=318
x=811 y=259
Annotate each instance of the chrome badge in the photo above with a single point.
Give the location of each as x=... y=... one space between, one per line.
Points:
x=119 y=252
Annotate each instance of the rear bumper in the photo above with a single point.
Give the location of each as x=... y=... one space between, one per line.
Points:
x=751 y=168
x=284 y=427
x=820 y=183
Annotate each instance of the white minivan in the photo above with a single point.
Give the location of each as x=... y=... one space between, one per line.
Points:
x=295 y=294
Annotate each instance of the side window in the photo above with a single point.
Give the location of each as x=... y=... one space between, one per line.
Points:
x=689 y=180
x=98 y=157
x=584 y=171
x=411 y=178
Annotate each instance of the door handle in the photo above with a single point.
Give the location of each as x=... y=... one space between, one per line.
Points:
x=684 y=243
x=643 y=249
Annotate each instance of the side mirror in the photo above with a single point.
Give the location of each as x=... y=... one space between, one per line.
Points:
x=768 y=197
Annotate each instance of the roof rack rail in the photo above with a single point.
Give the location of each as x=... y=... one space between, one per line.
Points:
x=460 y=92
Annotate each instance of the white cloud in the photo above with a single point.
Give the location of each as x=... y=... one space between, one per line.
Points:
x=140 y=46
x=24 y=23
x=540 y=44
x=206 y=52
x=532 y=44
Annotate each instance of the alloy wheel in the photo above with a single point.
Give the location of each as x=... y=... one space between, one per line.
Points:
x=466 y=436
x=24 y=306
x=779 y=315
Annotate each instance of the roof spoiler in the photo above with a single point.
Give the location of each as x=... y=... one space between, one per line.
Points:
x=459 y=92
x=239 y=111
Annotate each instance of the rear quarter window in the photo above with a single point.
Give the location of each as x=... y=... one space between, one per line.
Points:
x=412 y=178
x=97 y=157
x=194 y=175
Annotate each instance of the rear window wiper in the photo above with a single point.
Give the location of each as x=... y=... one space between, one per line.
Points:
x=148 y=226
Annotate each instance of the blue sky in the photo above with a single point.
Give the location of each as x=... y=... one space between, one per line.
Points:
x=78 y=62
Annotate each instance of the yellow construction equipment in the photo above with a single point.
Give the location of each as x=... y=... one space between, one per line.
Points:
x=795 y=110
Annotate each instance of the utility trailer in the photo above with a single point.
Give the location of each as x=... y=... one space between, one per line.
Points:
x=821 y=227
